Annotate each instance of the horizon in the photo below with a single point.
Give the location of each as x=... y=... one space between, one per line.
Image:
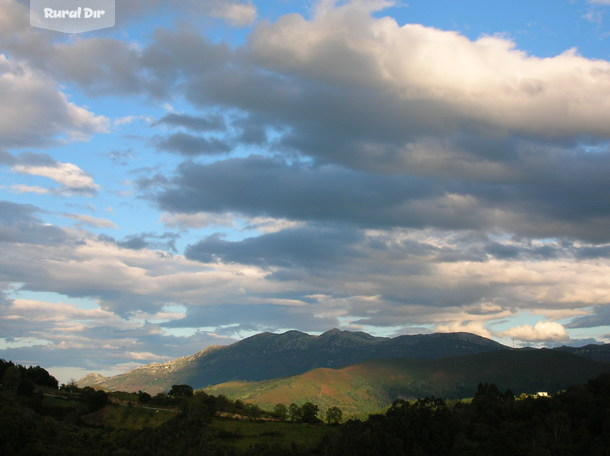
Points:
x=199 y=173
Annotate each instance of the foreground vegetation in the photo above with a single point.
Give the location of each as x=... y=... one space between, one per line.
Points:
x=38 y=418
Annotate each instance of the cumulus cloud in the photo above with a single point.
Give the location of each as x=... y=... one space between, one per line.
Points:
x=543 y=331
x=483 y=84
x=34 y=112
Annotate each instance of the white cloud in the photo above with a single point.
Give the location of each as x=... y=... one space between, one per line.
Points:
x=271 y=225
x=72 y=179
x=543 y=331
x=30 y=189
x=442 y=76
x=200 y=220
x=237 y=14
x=34 y=112
x=95 y=222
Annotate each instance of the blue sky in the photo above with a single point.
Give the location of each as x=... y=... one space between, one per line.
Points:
x=203 y=172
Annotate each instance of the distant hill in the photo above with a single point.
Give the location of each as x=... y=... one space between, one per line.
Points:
x=266 y=356
x=373 y=385
x=595 y=352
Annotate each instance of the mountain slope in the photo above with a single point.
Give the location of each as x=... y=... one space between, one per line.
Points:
x=594 y=352
x=265 y=356
x=373 y=385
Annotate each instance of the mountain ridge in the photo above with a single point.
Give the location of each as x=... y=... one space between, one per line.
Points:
x=268 y=355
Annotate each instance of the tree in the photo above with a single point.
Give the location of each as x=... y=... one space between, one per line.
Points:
x=334 y=415
x=309 y=413
x=12 y=377
x=180 y=391
x=295 y=413
x=95 y=399
x=144 y=397
x=281 y=412
x=41 y=376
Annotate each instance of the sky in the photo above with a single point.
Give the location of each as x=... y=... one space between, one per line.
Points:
x=207 y=170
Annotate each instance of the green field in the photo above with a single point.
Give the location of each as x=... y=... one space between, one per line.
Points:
x=244 y=434
x=126 y=417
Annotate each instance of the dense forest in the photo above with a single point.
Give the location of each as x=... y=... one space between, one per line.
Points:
x=39 y=417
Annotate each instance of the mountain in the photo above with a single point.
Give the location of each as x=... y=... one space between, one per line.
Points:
x=373 y=385
x=595 y=352
x=266 y=356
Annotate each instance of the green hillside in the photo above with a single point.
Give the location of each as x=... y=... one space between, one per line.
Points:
x=373 y=385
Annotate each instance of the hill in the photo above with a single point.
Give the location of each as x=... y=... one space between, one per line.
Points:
x=266 y=356
x=373 y=385
x=595 y=352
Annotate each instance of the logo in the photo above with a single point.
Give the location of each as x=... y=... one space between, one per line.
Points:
x=72 y=16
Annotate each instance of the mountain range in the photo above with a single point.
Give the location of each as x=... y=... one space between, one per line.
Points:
x=359 y=372
x=267 y=356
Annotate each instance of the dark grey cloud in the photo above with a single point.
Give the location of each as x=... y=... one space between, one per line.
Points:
x=252 y=131
x=190 y=145
x=540 y=205
x=308 y=246
x=195 y=123
x=262 y=186
x=599 y=317
x=592 y=251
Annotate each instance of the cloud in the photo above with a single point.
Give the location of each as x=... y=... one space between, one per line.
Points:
x=200 y=220
x=600 y=316
x=209 y=123
x=543 y=331
x=62 y=333
x=237 y=14
x=234 y=319
x=295 y=191
x=408 y=176
x=19 y=223
x=35 y=113
x=189 y=145
x=94 y=222
x=559 y=197
x=313 y=246
x=72 y=179
x=486 y=84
